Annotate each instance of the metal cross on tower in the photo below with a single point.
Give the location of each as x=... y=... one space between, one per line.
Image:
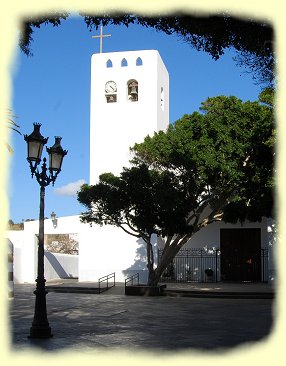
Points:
x=101 y=36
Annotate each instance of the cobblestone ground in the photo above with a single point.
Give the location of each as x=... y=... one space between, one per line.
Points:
x=92 y=321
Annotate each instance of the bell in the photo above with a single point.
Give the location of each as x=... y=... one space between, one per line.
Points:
x=133 y=91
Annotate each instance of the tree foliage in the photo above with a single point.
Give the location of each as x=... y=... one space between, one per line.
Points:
x=215 y=164
x=225 y=153
x=253 y=40
x=12 y=125
x=29 y=24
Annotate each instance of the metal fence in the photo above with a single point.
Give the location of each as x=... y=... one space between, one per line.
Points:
x=104 y=282
x=130 y=280
x=264 y=265
x=203 y=265
x=193 y=265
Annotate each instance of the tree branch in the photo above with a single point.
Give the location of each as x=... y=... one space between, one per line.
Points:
x=127 y=231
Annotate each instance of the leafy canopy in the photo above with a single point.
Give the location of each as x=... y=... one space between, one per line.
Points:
x=224 y=154
x=253 y=40
x=141 y=201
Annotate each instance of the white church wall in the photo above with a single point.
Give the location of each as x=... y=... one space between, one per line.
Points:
x=105 y=250
x=162 y=95
x=210 y=235
x=64 y=225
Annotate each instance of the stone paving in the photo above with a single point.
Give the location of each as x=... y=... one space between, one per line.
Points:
x=111 y=320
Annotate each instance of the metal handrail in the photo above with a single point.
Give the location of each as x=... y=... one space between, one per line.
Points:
x=131 y=278
x=106 y=278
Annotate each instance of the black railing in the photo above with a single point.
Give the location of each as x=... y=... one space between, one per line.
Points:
x=132 y=279
x=106 y=280
x=264 y=265
x=204 y=265
x=193 y=265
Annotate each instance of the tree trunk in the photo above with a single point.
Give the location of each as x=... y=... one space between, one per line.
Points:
x=155 y=274
x=150 y=263
x=153 y=278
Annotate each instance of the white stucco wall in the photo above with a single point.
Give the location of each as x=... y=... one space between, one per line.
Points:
x=24 y=247
x=210 y=236
x=59 y=265
x=105 y=250
x=102 y=250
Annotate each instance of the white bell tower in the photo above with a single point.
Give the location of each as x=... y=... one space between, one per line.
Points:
x=129 y=100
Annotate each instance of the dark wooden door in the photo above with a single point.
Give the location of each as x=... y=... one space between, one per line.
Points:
x=240 y=254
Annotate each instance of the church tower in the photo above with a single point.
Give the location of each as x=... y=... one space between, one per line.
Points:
x=129 y=100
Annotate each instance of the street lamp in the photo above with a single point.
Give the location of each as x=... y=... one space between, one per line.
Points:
x=40 y=327
x=54 y=219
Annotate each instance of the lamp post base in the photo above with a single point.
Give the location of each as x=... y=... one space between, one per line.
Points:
x=40 y=326
x=40 y=332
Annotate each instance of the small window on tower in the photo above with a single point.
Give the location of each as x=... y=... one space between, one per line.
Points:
x=124 y=62
x=162 y=98
x=132 y=90
x=139 y=61
x=109 y=63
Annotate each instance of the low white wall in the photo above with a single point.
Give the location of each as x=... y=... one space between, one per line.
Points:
x=24 y=250
x=58 y=265
x=24 y=244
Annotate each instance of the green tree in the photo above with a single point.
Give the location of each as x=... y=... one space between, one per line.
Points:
x=212 y=165
x=253 y=40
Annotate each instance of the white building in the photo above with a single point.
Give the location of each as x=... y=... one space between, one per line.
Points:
x=129 y=100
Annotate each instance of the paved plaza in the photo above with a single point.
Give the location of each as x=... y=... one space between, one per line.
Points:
x=111 y=320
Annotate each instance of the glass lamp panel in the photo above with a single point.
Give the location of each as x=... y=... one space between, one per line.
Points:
x=55 y=161
x=35 y=149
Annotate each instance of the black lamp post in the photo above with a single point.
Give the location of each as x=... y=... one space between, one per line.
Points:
x=40 y=327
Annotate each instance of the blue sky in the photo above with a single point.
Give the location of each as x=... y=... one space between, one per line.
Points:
x=53 y=88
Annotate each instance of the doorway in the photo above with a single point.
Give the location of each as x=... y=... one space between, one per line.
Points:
x=240 y=255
